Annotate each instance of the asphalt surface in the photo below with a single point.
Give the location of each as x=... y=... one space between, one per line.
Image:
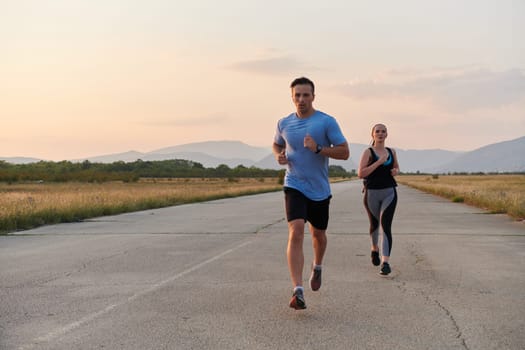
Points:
x=214 y=275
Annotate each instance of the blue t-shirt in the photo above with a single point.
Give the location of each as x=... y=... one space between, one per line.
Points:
x=307 y=171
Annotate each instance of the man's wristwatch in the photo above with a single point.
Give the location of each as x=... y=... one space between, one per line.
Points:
x=318 y=148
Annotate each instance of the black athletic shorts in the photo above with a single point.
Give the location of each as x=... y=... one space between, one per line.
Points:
x=298 y=206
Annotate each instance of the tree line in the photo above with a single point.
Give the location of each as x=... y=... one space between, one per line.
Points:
x=87 y=171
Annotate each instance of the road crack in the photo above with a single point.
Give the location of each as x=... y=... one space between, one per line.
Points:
x=421 y=263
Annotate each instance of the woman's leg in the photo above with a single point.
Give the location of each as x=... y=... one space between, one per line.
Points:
x=372 y=206
x=388 y=208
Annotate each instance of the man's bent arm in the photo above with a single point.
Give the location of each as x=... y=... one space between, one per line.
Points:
x=341 y=151
x=277 y=149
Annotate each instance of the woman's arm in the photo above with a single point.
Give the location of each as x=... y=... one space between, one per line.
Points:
x=363 y=164
x=395 y=169
x=364 y=169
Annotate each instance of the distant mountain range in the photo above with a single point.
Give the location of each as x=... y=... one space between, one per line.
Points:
x=507 y=156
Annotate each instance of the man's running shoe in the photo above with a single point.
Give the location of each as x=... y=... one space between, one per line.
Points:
x=375 y=258
x=297 y=301
x=315 y=279
x=385 y=269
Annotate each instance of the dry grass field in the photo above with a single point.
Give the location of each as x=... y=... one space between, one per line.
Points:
x=495 y=193
x=28 y=205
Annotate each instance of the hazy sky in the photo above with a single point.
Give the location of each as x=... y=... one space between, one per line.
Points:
x=85 y=78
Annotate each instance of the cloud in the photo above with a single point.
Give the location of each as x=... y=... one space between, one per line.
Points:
x=273 y=65
x=452 y=90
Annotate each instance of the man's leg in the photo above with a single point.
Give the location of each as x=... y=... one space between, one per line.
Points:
x=319 y=243
x=296 y=261
x=294 y=251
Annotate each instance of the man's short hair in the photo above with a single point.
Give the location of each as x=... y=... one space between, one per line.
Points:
x=303 y=81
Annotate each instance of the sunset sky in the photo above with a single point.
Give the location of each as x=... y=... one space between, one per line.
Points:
x=86 y=78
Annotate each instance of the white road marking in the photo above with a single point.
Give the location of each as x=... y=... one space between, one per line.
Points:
x=74 y=325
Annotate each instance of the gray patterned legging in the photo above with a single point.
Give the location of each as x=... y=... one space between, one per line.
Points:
x=380 y=206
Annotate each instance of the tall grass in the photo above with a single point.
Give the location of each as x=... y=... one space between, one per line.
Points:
x=495 y=193
x=24 y=206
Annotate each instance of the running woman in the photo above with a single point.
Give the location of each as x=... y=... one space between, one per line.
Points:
x=377 y=167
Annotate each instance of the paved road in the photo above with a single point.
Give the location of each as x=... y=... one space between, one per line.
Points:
x=213 y=276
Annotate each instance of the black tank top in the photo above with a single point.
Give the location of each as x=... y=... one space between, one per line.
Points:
x=381 y=177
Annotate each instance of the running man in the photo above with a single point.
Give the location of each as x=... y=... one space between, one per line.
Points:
x=304 y=140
